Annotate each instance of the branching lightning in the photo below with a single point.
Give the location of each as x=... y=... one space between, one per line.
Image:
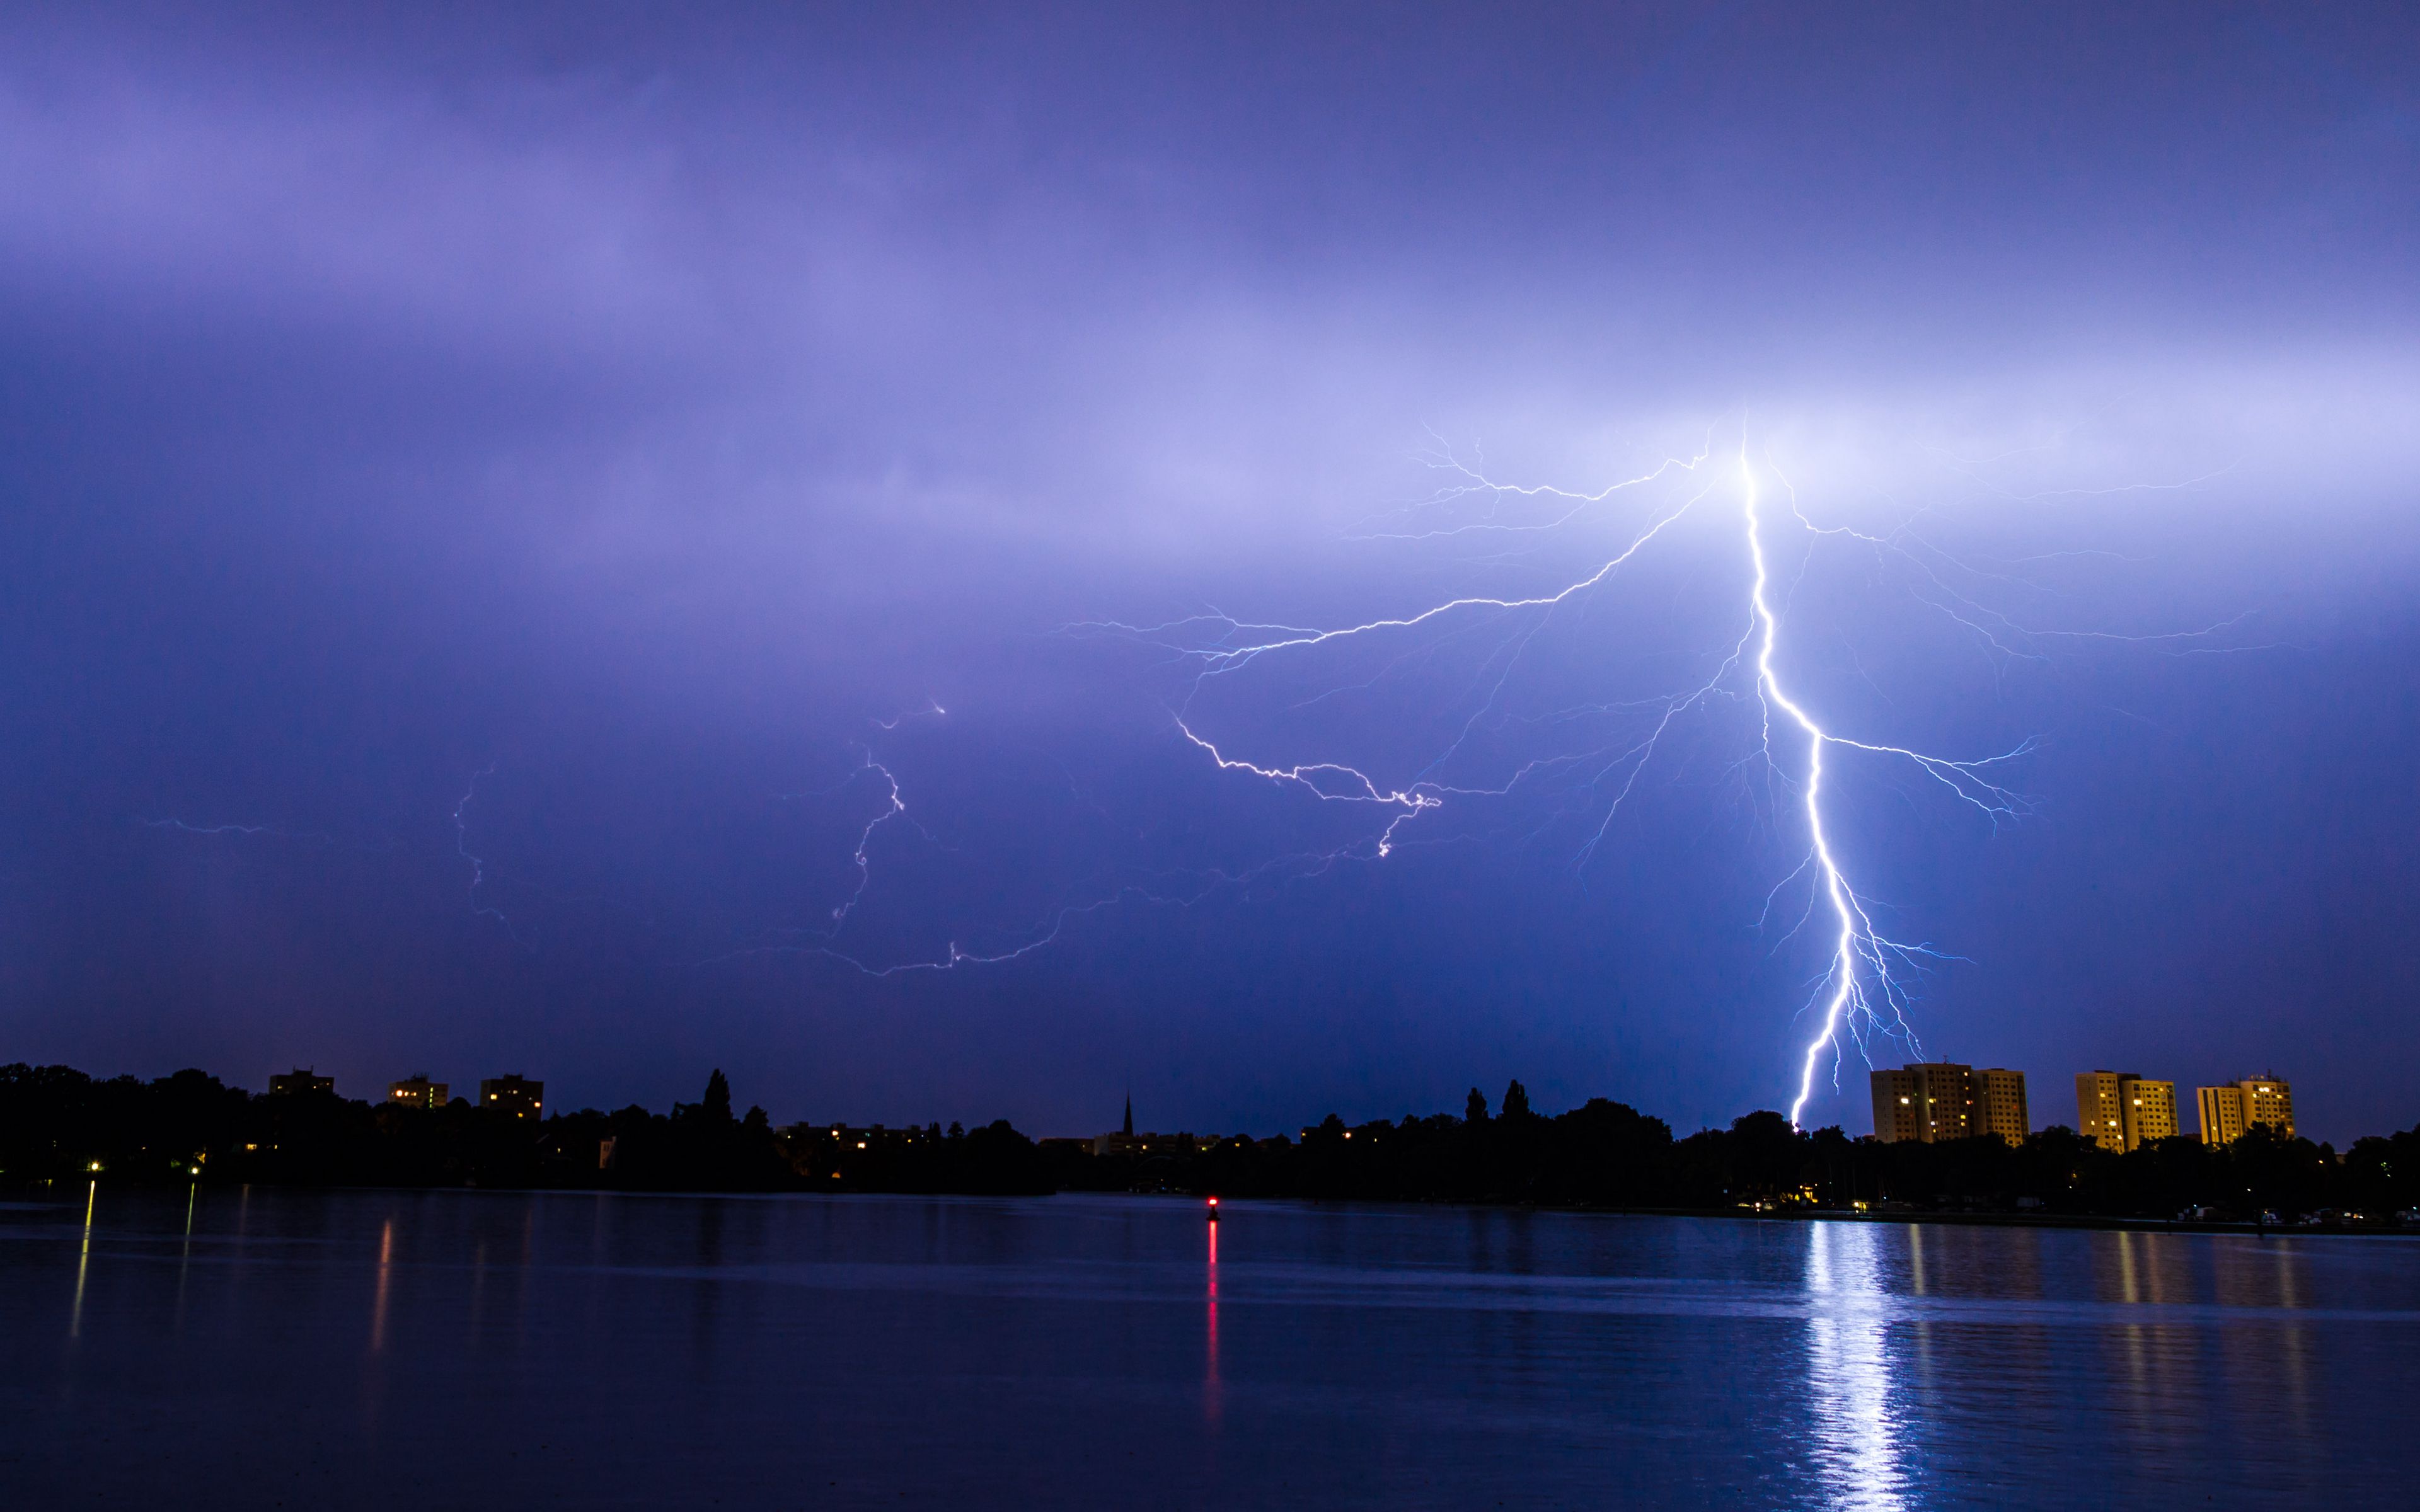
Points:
x=1321 y=779
x=1864 y=984
x=894 y=807
x=1859 y=981
x=1179 y=888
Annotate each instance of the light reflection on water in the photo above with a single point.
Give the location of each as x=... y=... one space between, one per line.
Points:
x=1210 y=1334
x=1849 y=1368
x=636 y=1352
x=83 y=1259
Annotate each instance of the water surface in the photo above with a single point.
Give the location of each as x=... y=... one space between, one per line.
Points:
x=260 y=1348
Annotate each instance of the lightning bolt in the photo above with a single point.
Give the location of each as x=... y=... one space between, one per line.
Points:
x=895 y=807
x=1858 y=950
x=462 y=849
x=1180 y=888
x=932 y=710
x=315 y=837
x=1864 y=986
x=1322 y=780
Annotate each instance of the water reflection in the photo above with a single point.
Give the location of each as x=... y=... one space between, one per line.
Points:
x=385 y=1280
x=1210 y=1368
x=1848 y=1369
x=2293 y=1335
x=967 y=1352
x=84 y=1262
x=185 y=1251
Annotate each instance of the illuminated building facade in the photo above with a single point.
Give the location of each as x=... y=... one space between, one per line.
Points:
x=1900 y=1104
x=2000 y=1105
x=2120 y=1111
x=298 y=1081
x=2269 y=1101
x=1932 y=1101
x=2228 y=1111
x=2149 y=1112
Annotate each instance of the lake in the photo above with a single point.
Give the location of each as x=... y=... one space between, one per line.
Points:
x=263 y=1348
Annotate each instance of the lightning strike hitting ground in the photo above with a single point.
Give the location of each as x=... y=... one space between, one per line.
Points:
x=1862 y=984
x=1857 y=944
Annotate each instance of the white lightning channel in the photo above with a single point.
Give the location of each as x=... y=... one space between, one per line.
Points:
x=1864 y=986
x=1412 y=800
x=1842 y=984
x=892 y=810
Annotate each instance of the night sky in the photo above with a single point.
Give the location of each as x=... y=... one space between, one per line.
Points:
x=479 y=491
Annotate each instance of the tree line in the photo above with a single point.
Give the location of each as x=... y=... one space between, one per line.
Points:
x=59 y=1124
x=1608 y=1155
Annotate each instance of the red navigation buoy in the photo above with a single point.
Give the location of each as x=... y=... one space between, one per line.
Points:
x=1214 y=1210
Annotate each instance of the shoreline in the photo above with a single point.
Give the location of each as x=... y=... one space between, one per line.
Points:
x=23 y=1200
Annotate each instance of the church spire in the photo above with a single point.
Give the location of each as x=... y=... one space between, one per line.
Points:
x=1129 y=1129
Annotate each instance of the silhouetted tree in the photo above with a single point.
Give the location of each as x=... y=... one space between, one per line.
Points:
x=716 y=1105
x=1609 y=1152
x=1516 y=1101
x=1474 y=1108
x=2278 y=1172
x=2383 y=1172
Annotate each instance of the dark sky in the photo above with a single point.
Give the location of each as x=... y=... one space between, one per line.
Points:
x=479 y=491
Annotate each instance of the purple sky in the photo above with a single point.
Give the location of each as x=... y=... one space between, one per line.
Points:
x=635 y=410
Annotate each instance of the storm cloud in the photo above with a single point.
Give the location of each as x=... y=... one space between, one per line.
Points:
x=521 y=472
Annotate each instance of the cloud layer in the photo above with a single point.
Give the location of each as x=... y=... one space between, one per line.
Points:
x=640 y=411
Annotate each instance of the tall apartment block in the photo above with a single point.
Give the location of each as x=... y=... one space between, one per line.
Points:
x=1932 y=1101
x=2120 y=1111
x=2227 y=1111
x=2000 y=1105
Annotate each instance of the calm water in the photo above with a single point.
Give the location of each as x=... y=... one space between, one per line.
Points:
x=346 y=1349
